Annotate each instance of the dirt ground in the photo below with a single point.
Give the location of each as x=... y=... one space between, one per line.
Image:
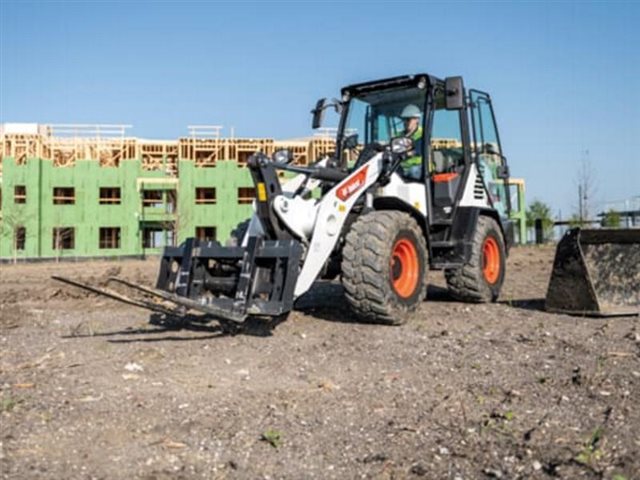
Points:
x=90 y=388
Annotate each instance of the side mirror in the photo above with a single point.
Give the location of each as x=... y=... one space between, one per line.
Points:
x=454 y=93
x=283 y=156
x=318 y=113
x=401 y=145
x=503 y=171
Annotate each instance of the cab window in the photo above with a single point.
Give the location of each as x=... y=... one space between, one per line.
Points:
x=447 y=152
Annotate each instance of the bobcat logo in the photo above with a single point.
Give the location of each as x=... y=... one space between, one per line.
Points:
x=353 y=184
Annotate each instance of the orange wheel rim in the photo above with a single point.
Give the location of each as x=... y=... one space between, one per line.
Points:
x=405 y=268
x=491 y=260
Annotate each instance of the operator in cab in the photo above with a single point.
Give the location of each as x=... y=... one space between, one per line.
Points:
x=412 y=166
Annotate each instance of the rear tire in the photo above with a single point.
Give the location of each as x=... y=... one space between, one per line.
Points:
x=384 y=267
x=480 y=280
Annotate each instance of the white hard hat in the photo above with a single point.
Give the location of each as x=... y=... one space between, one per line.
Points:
x=410 y=111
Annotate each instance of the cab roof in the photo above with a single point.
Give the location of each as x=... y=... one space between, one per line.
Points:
x=391 y=82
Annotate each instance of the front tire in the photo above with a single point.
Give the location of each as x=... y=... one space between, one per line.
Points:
x=480 y=280
x=384 y=267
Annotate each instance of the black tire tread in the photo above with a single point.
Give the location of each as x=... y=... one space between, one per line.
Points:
x=467 y=283
x=365 y=266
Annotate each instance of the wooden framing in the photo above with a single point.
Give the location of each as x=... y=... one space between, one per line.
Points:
x=440 y=143
x=321 y=147
x=204 y=152
x=66 y=144
x=300 y=150
x=159 y=156
x=204 y=145
x=21 y=147
x=240 y=149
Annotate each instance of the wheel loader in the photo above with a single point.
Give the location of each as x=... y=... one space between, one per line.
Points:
x=418 y=182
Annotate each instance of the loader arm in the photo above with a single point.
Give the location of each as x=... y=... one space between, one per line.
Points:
x=330 y=215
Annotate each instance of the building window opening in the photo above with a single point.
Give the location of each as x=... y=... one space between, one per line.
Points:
x=246 y=195
x=152 y=198
x=206 y=233
x=158 y=235
x=64 y=195
x=109 y=196
x=64 y=238
x=20 y=194
x=20 y=238
x=109 y=237
x=205 y=195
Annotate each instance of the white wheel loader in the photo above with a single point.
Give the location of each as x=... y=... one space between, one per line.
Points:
x=403 y=194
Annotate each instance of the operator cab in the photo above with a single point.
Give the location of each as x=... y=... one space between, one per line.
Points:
x=456 y=129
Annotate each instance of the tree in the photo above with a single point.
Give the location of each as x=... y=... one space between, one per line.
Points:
x=12 y=230
x=540 y=210
x=611 y=219
x=585 y=181
x=575 y=220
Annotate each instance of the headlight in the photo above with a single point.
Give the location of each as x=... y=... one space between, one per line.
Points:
x=283 y=155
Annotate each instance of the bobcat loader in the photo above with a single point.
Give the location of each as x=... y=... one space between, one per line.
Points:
x=388 y=206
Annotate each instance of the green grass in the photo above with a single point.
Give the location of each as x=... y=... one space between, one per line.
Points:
x=272 y=437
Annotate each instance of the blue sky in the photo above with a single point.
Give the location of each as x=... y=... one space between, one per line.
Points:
x=564 y=76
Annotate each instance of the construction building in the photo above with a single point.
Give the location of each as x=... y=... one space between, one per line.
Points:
x=73 y=191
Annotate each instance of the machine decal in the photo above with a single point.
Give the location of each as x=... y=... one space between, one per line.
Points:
x=353 y=184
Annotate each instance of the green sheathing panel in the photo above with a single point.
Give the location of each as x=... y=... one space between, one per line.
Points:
x=25 y=215
x=226 y=177
x=86 y=216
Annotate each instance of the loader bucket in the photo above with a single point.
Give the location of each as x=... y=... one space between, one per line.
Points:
x=596 y=273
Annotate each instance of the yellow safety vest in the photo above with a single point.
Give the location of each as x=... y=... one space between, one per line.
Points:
x=416 y=159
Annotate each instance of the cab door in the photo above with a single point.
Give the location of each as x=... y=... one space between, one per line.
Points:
x=487 y=152
x=446 y=157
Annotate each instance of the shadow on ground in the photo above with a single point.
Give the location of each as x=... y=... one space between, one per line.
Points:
x=161 y=325
x=536 y=304
x=327 y=301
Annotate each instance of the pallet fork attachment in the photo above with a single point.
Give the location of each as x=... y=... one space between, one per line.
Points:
x=225 y=283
